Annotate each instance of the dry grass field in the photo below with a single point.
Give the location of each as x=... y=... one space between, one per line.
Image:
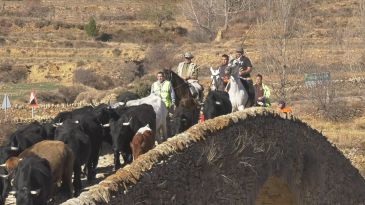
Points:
x=43 y=44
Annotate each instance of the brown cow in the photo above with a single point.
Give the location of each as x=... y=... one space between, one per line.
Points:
x=142 y=141
x=60 y=158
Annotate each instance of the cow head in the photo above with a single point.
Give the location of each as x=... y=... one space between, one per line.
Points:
x=32 y=181
x=121 y=131
x=181 y=122
x=6 y=152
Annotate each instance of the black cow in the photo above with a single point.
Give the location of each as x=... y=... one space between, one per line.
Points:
x=126 y=96
x=5 y=153
x=72 y=134
x=62 y=116
x=92 y=127
x=4 y=185
x=123 y=129
x=24 y=137
x=21 y=139
x=33 y=181
x=183 y=118
x=217 y=103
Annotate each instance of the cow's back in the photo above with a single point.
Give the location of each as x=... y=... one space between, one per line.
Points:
x=57 y=153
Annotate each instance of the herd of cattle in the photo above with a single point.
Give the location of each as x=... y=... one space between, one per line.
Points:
x=40 y=158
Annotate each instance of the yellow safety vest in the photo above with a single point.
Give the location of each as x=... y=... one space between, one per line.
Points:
x=163 y=90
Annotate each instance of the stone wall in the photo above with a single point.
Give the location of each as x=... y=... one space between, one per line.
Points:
x=44 y=112
x=251 y=157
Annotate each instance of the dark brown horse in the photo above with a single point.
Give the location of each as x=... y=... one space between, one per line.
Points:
x=188 y=108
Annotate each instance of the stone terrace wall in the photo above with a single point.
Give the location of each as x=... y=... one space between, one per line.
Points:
x=236 y=159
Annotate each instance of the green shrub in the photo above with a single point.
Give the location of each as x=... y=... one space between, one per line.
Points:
x=91 y=29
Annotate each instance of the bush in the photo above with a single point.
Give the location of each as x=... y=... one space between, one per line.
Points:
x=8 y=73
x=2 y=41
x=104 y=37
x=159 y=14
x=42 y=23
x=91 y=29
x=159 y=57
x=50 y=97
x=116 y=52
x=71 y=92
x=19 y=22
x=142 y=86
x=91 y=79
x=199 y=36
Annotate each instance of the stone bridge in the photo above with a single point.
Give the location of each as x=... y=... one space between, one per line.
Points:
x=253 y=157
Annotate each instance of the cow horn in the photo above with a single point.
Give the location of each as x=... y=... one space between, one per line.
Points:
x=106 y=125
x=12 y=192
x=14 y=148
x=127 y=123
x=35 y=192
x=3 y=165
x=218 y=103
x=92 y=104
x=57 y=124
x=4 y=176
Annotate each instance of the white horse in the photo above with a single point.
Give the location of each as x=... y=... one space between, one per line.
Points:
x=217 y=81
x=237 y=93
x=160 y=109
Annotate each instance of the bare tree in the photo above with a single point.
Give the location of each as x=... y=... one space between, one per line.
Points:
x=280 y=52
x=212 y=15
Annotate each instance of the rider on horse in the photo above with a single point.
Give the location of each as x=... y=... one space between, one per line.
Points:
x=218 y=75
x=245 y=69
x=189 y=72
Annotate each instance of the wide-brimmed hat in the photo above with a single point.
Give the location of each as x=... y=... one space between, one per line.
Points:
x=188 y=55
x=239 y=50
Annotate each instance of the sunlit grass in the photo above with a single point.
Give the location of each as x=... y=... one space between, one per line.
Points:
x=22 y=91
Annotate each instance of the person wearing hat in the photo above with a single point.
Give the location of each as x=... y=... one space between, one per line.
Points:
x=245 y=72
x=283 y=108
x=189 y=71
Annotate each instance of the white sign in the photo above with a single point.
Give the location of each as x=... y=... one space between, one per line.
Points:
x=6 y=103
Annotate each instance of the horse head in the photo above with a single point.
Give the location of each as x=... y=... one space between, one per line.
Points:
x=232 y=70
